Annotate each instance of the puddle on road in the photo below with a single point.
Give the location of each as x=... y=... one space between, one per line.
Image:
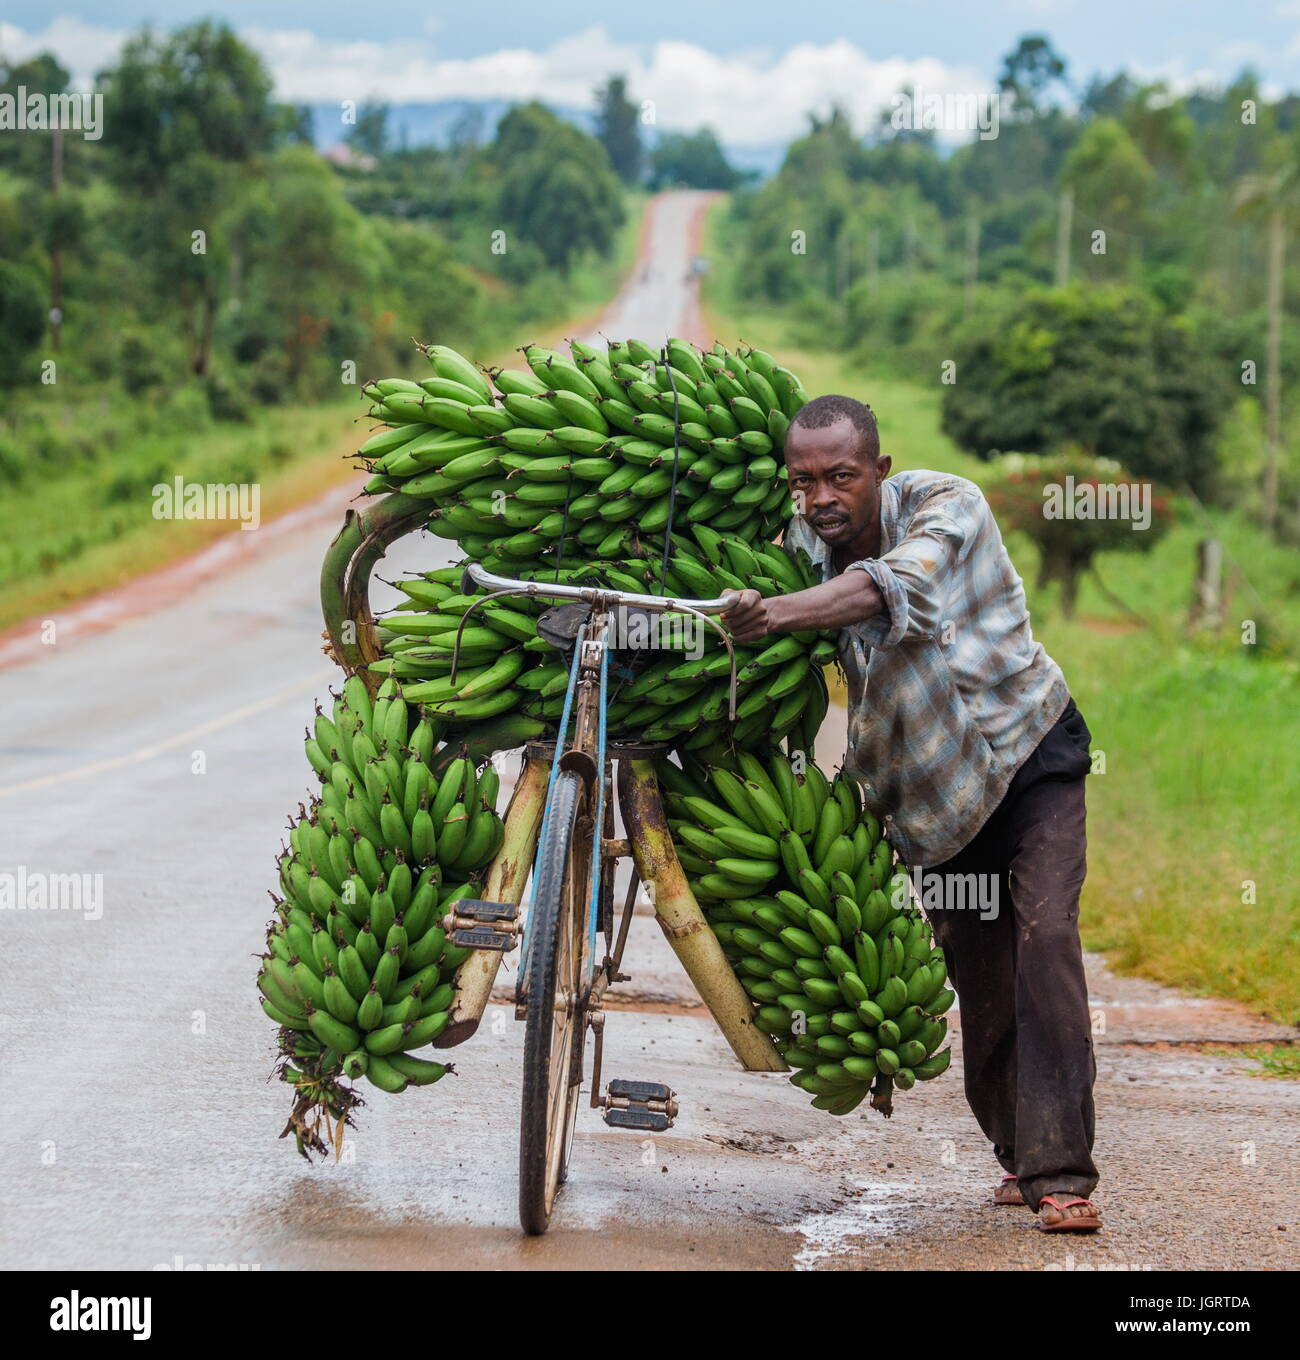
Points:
x=870 y=1214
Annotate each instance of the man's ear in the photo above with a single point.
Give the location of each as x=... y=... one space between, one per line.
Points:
x=882 y=468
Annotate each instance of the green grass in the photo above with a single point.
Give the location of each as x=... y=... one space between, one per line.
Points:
x=92 y=527
x=1275 y=1060
x=1200 y=797
x=82 y=520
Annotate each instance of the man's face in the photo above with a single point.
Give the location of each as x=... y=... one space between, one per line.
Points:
x=834 y=480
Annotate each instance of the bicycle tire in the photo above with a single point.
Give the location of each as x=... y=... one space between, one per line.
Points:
x=547 y=1115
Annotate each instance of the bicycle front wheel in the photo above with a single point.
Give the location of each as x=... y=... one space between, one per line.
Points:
x=553 y=1029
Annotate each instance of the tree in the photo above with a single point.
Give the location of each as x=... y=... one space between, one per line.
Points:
x=617 y=129
x=694 y=160
x=312 y=263
x=190 y=113
x=1275 y=198
x=294 y=125
x=1111 y=180
x=1028 y=74
x=198 y=92
x=1021 y=492
x=1101 y=367
x=369 y=135
x=29 y=153
x=22 y=322
x=557 y=191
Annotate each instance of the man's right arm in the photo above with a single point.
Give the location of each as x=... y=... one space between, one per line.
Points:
x=843 y=600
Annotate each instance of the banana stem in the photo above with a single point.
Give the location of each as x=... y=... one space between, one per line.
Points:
x=333 y=592
x=506 y=877
x=682 y=922
x=345 y=579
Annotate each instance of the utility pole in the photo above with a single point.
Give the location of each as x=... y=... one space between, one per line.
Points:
x=56 y=253
x=1064 y=225
x=1273 y=362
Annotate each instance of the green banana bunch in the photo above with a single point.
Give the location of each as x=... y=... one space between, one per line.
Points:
x=357 y=970
x=589 y=447
x=504 y=668
x=800 y=888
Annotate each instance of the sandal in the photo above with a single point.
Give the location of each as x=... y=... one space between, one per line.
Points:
x=1008 y=1192
x=1088 y=1222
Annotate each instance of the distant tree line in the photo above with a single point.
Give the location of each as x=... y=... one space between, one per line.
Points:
x=1112 y=270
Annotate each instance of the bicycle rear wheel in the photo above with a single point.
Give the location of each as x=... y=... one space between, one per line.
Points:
x=554 y=1024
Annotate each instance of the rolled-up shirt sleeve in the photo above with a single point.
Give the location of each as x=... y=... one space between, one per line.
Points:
x=915 y=576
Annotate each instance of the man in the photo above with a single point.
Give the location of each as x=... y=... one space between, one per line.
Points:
x=965 y=739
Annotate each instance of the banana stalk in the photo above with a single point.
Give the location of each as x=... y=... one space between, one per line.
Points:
x=333 y=592
x=505 y=881
x=345 y=580
x=682 y=922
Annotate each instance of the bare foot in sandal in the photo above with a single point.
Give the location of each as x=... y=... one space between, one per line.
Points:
x=1008 y=1192
x=1067 y=1213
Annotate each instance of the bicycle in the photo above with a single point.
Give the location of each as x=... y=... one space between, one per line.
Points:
x=560 y=987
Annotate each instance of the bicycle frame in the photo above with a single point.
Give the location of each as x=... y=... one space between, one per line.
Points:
x=649 y=844
x=590 y=658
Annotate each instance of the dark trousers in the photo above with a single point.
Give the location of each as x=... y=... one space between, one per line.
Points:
x=1025 y=1027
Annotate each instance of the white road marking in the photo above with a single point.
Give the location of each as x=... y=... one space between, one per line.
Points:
x=143 y=753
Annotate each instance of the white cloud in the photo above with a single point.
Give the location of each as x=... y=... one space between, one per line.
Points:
x=80 y=47
x=748 y=98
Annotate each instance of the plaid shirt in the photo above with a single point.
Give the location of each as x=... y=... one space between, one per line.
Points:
x=948 y=691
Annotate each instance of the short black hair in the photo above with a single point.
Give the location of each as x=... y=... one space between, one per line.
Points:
x=828 y=410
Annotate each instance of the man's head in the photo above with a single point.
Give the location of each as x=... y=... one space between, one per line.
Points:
x=832 y=452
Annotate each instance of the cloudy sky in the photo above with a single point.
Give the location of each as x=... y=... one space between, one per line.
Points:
x=750 y=70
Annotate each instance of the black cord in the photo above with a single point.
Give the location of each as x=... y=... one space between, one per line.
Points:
x=672 y=491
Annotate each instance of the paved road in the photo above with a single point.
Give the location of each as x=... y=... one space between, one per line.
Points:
x=162 y=753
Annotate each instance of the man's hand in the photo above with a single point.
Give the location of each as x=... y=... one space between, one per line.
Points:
x=748 y=618
x=843 y=600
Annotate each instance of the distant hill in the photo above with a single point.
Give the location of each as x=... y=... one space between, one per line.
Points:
x=435 y=123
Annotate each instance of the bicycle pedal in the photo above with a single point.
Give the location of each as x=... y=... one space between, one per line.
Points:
x=645 y=1105
x=647 y=1121
x=475 y=924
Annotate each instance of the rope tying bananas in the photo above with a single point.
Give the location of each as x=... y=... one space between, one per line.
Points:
x=798 y=884
x=357 y=970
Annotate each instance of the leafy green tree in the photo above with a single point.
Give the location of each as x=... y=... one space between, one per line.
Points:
x=557 y=190
x=22 y=322
x=190 y=112
x=1274 y=199
x=694 y=160
x=29 y=153
x=368 y=136
x=1029 y=73
x=312 y=265
x=196 y=92
x=1112 y=183
x=618 y=129
x=293 y=125
x=1021 y=492
x=1101 y=367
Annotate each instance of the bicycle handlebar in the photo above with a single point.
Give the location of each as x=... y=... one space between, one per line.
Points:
x=661 y=603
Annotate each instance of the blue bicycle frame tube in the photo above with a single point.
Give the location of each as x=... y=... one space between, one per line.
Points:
x=598 y=835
